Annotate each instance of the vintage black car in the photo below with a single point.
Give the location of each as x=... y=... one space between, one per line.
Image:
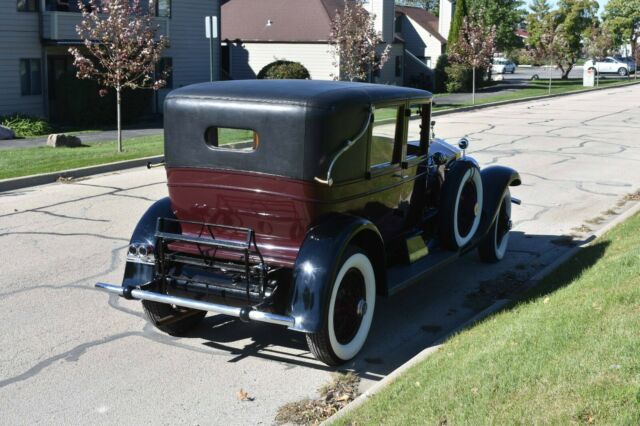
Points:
x=299 y=202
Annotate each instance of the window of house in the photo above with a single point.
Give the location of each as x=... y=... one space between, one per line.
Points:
x=166 y=64
x=30 y=77
x=244 y=140
x=27 y=5
x=399 y=24
x=163 y=8
x=398 y=66
x=383 y=136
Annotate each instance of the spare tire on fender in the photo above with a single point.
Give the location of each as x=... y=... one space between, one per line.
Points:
x=460 y=205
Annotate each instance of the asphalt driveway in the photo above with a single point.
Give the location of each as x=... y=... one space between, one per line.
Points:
x=71 y=354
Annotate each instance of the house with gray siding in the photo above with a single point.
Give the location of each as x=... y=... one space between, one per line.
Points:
x=35 y=36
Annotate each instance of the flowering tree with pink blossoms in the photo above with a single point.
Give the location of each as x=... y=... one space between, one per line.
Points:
x=474 y=47
x=355 y=42
x=121 y=48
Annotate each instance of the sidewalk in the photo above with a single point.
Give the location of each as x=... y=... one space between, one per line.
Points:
x=99 y=136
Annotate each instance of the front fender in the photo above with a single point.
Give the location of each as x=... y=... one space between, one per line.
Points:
x=317 y=265
x=495 y=180
x=136 y=274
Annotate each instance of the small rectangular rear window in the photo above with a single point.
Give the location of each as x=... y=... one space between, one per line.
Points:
x=244 y=140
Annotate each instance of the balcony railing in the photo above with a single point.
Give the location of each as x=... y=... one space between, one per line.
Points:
x=61 y=26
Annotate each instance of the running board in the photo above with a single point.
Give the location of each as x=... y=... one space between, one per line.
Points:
x=245 y=314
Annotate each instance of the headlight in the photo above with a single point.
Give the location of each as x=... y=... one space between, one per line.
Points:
x=141 y=253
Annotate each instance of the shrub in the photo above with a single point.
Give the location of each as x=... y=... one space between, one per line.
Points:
x=25 y=125
x=282 y=69
x=441 y=74
x=459 y=78
x=522 y=57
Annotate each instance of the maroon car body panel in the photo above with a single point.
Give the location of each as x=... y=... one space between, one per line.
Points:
x=281 y=210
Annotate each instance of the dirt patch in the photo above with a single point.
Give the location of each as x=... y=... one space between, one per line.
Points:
x=582 y=229
x=635 y=196
x=595 y=221
x=342 y=389
x=503 y=287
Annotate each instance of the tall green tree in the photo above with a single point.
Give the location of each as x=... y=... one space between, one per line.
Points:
x=622 y=19
x=461 y=12
x=560 y=32
x=538 y=23
x=504 y=15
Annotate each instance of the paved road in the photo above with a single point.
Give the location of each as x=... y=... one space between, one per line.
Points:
x=73 y=355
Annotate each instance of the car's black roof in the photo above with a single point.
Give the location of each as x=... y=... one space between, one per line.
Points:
x=300 y=123
x=309 y=93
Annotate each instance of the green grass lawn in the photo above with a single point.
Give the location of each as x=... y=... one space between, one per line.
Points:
x=534 y=88
x=30 y=161
x=44 y=159
x=569 y=353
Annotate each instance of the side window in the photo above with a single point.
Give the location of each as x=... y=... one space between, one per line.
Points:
x=383 y=136
x=163 y=8
x=27 y=6
x=243 y=140
x=30 y=77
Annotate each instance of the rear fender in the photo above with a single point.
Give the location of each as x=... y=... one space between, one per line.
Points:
x=495 y=180
x=136 y=274
x=317 y=265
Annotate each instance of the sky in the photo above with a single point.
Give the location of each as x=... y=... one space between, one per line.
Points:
x=601 y=2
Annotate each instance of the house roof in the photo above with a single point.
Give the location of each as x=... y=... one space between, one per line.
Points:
x=522 y=33
x=425 y=19
x=278 y=20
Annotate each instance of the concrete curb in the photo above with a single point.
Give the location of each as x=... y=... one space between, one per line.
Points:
x=497 y=306
x=45 y=178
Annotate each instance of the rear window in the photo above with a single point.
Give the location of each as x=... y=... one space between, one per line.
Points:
x=245 y=140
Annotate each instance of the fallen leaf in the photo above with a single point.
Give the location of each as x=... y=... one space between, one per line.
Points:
x=344 y=397
x=243 y=395
x=546 y=300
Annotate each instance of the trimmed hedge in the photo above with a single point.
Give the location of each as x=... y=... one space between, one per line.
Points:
x=282 y=69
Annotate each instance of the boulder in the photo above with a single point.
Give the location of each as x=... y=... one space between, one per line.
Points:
x=6 y=133
x=58 y=140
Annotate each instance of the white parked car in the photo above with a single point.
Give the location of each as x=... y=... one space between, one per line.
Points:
x=611 y=65
x=503 y=66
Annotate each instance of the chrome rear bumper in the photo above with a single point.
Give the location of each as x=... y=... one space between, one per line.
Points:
x=242 y=313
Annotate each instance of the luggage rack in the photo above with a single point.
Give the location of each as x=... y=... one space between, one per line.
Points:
x=248 y=247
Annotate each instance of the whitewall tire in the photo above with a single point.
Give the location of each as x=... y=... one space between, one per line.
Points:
x=350 y=311
x=460 y=206
x=494 y=245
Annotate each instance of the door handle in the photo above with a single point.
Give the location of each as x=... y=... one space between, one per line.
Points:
x=400 y=175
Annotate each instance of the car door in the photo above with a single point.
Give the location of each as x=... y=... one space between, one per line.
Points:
x=609 y=65
x=386 y=175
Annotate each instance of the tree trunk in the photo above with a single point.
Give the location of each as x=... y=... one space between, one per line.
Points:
x=473 y=88
x=550 y=76
x=565 y=73
x=119 y=120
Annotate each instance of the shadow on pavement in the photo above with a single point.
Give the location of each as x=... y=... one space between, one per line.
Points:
x=413 y=320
